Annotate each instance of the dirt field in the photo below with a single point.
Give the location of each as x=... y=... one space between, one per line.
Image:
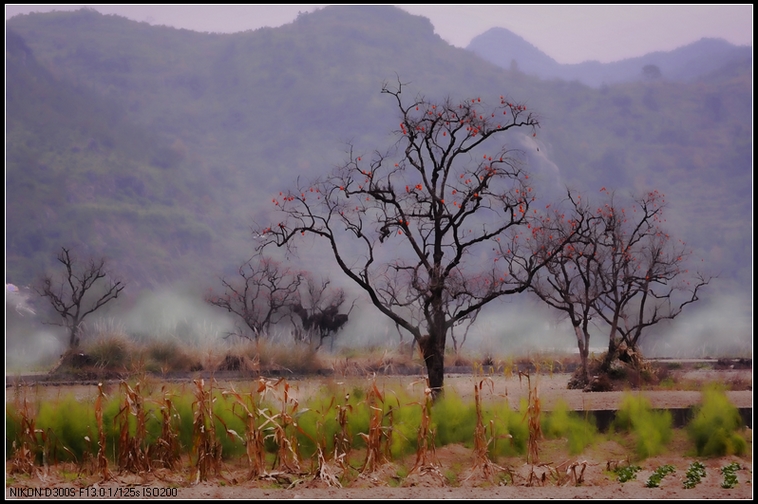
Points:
x=450 y=472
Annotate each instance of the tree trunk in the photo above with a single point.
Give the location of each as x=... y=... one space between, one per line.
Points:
x=73 y=341
x=433 y=350
x=612 y=346
x=582 y=340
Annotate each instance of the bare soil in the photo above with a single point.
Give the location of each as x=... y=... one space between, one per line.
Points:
x=451 y=471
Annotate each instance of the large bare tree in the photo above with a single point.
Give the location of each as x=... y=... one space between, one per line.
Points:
x=429 y=230
x=79 y=292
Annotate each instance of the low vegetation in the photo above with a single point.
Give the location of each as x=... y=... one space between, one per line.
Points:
x=654 y=481
x=341 y=432
x=714 y=430
x=695 y=473
x=651 y=429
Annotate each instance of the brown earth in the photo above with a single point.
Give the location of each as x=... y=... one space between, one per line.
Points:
x=451 y=472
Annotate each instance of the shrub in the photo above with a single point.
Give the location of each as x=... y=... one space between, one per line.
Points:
x=714 y=428
x=652 y=429
x=511 y=428
x=299 y=359
x=562 y=423
x=111 y=352
x=406 y=422
x=454 y=421
x=13 y=429
x=167 y=356
x=70 y=421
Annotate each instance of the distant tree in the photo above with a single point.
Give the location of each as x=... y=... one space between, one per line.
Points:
x=433 y=234
x=569 y=282
x=318 y=310
x=621 y=268
x=261 y=294
x=651 y=72
x=79 y=292
x=642 y=273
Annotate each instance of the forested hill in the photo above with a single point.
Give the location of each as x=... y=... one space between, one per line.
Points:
x=160 y=147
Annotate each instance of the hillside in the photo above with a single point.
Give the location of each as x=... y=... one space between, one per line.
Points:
x=160 y=147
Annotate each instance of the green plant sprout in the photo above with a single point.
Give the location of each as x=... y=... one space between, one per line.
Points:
x=695 y=473
x=654 y=481
x=730 y=475
x=627 y=473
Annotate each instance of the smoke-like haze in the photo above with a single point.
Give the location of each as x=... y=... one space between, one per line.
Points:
x=29 y=344
x=170 y=314
x=718 y=326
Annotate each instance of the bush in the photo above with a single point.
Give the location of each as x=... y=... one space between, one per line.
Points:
x=168 y=356
x=652 y=429
x=13 y=429
x=69 y=422
x=454 y=421
x=562 y=423
x=111 y=352
x=511 y=428
x=714 y=428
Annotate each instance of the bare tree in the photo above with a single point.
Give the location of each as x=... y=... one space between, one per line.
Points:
x=642 y=273
x=260 y=295
x=569 y=282
x=422 y=229
x=620 y=267
x=79 y=292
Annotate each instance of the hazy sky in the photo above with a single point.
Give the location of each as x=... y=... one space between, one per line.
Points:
x=567 y=33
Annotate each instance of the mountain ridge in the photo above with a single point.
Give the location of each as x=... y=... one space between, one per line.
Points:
x=684 y=64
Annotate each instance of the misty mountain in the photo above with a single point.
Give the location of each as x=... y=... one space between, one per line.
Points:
x=159 y=147
x=685 y=64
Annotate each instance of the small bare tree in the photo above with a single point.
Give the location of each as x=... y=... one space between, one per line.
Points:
x=643 y=277
x=569 y=282
x=260 y=295
x=619 y=266
x=78 y=293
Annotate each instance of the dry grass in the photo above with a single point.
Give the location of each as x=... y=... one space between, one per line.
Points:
x=377 y=438
x=532 y=415
x=102 y=460
x=23 y=457
x=281 y=426
x=255 y=450
x=269 y=412
x=425 y=459
x=206 y=448
x=133 y=450
x=167 y=448
x=481 y=441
